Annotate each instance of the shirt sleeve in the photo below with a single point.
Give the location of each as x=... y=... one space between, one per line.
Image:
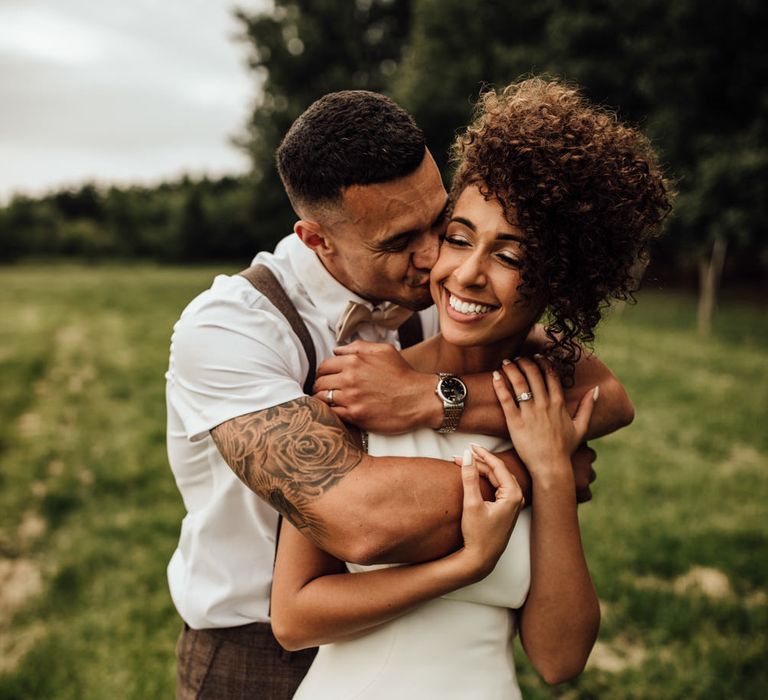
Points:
x=230 y=357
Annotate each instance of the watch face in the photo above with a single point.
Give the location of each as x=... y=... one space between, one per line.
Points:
x=452 y=389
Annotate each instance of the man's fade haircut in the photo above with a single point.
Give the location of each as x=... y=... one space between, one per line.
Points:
x=351 y=137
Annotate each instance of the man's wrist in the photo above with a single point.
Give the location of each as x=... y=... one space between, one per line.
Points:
x=452 y=392
x=431 y=405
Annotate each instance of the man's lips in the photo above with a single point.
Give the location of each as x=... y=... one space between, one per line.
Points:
x=418 y=281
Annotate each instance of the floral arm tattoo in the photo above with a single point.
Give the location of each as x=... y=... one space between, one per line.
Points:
x=290 y=455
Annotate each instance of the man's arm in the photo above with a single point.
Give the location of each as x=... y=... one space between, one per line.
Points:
x=300 y=458
x=376 y=389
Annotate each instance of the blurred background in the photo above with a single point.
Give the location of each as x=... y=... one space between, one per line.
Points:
x=137 y=147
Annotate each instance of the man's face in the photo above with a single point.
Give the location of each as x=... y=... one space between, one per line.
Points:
x=386 y=238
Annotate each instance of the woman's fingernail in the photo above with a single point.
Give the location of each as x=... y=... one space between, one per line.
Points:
x=595 y=393
x=467 y=459
x=496 y=375
x=506 y=361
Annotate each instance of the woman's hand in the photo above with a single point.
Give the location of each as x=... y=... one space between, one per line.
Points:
x=541 y=430
x=486 y=526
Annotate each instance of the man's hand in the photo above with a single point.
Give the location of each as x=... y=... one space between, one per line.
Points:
x=583 y=473
x=374 y=388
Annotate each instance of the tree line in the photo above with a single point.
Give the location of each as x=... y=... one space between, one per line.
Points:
x=691 y=74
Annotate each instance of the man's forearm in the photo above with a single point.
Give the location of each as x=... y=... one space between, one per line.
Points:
x=394 y=509
x=482 y=412
x=300 y=458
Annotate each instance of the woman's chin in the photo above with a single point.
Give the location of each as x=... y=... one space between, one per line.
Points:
x=462 y=337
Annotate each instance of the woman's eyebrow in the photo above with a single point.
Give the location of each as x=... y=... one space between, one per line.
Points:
x=464 y=222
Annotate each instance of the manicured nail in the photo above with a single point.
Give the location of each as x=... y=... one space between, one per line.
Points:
x=506 y=361
x=496 y=375
x=596 y=393
x=475 y=447
x=467 y=459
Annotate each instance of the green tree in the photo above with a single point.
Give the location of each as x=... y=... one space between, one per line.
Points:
x=300 y=50
x=690 y=73
x=456 y=48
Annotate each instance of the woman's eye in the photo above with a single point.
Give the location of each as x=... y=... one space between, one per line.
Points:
x=510 y=260
x=456 y=240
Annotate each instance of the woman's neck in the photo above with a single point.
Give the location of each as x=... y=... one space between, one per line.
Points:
x=437 y=355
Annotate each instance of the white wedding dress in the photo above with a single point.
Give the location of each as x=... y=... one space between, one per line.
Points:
x=455 y=647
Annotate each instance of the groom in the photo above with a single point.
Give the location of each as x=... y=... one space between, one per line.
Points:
x=245 y=441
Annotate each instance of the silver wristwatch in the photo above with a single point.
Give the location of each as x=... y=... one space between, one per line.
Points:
x=452 y=392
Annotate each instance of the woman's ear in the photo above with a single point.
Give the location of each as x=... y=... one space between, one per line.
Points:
x=314 y=236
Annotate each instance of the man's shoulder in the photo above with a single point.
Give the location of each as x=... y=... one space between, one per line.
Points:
x=231 y=305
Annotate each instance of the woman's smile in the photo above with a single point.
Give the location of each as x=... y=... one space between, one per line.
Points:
x=465 y=309
x=476 y=280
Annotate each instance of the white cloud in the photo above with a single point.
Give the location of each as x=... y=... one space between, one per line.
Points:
x=119 y=89
x=40 y=33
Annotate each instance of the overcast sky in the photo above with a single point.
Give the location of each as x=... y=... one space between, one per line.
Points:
x=119 y=91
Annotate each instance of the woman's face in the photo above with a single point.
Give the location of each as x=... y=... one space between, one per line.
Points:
x=476 y=278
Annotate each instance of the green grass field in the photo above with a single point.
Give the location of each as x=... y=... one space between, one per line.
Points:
x=677 y=534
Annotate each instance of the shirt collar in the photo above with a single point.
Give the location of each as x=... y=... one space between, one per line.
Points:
x=328 y=295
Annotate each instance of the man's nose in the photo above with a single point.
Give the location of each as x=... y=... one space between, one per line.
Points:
x=426 y=252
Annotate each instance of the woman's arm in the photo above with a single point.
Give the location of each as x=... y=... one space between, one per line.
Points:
x=561 y=616
x=314 y=600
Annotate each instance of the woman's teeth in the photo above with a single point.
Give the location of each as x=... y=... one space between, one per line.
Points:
x=465 y=308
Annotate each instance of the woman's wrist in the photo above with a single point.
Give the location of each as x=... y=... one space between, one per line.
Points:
x=465 y=566
x=553 y=474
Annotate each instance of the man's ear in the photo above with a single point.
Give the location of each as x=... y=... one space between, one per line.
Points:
x=314 y=236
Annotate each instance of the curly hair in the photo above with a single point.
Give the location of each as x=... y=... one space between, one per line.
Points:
x=586 y=190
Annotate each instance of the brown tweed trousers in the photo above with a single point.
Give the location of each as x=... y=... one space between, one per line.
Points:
x=236 y=663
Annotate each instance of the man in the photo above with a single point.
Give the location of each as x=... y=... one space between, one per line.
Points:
x=371 y=207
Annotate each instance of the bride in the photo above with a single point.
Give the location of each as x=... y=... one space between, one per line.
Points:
x=555 y=202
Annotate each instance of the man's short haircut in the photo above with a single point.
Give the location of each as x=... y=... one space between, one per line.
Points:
x=352 y=137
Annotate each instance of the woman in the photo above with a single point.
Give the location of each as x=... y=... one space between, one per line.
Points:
x=555 y=201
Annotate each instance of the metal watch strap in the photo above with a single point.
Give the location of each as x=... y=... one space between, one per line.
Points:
x=451 y=417
x=451 y=412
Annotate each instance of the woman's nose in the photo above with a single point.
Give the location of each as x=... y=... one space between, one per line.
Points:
x=471 y=273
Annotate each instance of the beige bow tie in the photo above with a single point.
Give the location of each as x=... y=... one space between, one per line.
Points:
x=388 y=316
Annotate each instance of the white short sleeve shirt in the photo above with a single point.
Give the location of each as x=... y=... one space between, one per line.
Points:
x=232 y=353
